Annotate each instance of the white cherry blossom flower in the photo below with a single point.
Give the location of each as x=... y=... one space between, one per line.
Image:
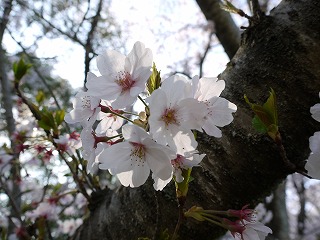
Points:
x=187 y=157
x=133 y=159
x=254 y=231
x=84 y=106
x=45 y=210
x=109 y=120
x=123 y=78
x=172 y=110
x=219 y=110
x=313 y=162
x=244 y=230
x=69 y=143
x=69 y=226
x=93 y=145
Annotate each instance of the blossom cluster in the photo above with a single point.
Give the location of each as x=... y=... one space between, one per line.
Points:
x=159 y=139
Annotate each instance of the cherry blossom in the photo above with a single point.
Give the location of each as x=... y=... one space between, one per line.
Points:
x=133 y=159
x=313 y=162
x=69 y=226
x=219 y=110
x=45 y=210
x=68 y=143
x=244 y=230
x=84 y=107
x=123 y=78
x=172 y=110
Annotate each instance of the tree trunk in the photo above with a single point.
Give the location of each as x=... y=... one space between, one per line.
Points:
x=279 y=223
x=282 y=52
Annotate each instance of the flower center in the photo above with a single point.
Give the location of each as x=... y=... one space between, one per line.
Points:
x=169 y=116
x=125 y=81
x=178 y=161
x=137 y=153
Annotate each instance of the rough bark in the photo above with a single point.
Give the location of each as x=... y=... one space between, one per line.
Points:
x=225 y=28
x=282 y=51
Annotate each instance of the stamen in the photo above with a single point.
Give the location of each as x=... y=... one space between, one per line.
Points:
x=125 y=81
x=169 y=117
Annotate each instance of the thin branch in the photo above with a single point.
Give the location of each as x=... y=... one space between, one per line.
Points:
x=83 y=18
x=42 y=18
x=208 y=47
x=42 y=78
x=88 y=45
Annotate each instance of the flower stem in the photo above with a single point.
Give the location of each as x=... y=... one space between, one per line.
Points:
x=144 y=103
x=180 y=219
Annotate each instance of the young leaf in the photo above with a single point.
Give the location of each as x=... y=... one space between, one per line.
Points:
x=40 y=97
x=20 y=68
x=258 y=125
x=266 y=116
x=154 y=80
x=59 y=116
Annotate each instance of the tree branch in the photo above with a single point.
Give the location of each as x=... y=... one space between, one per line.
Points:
x=225 y=28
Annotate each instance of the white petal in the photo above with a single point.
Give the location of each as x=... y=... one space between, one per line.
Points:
x=176 y=88
x=110 y=62
x=77 y=115
x=313 y=165
x=184 y=142
x=314 y=142
x=159 y=184
x=140 y=174
x=315 y=111
x=103 y=86
x=211 y=129
x=191 y=113
x=221 y=111
x=116 y=157
x=138 y=57
x=250 y=234
x=159 y=162
x=210 y=87
x=125 y=178
x=123 y=100
x=133 y=133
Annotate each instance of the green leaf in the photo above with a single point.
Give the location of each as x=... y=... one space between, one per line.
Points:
x=47 y=121
x=154 y=80
x=40 y=97
x=20 y=68
x=164 y=235
x=258 y=125
x=266 y=116
x=59 y=117
x=227 y=6
x=271 y=106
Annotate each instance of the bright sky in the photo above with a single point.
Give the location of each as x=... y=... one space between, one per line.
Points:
x=160 y=25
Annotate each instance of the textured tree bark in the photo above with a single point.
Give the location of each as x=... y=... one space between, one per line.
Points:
x=281 y=51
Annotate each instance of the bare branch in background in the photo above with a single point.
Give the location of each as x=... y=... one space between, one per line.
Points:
x=206 y=50
x=299 y=182
x=225 y=28
x=88 y=45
